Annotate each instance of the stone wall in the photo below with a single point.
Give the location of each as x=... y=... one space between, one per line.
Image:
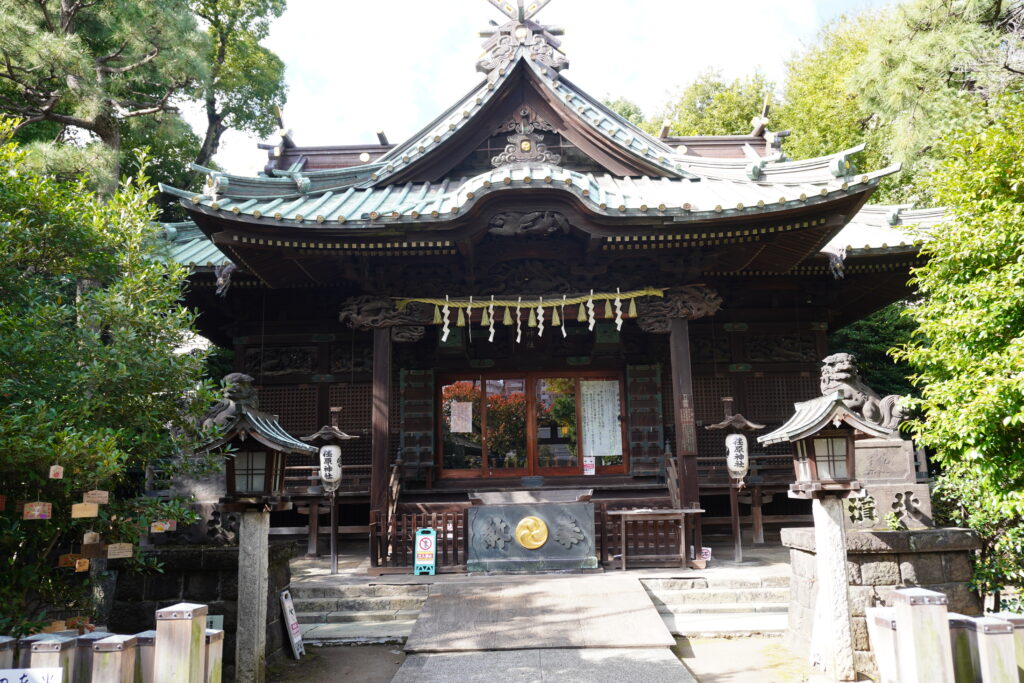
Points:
x=879 y=562
x=207 y=575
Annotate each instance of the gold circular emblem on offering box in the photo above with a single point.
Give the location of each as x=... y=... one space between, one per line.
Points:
x=531 y=532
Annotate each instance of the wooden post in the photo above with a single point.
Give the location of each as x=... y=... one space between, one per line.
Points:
x=684 y=420
x=312 y=548
x=882 y=636
x=83 y=655
x=53 y=652
x=922 y=635
x=963 y=640
x=180 y=640
x=380 y=418
x=24 y=657
x=7 y=644
x=1018 y=638
x=756 y=517
x=113 y=659
x=145 y=657
x=832 y=639
x=996 y=657
x=737 y=532
x=253 y=569
x=214 y=655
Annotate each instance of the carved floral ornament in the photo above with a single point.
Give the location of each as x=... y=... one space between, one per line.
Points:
x=521 y=33
x=652 y=308
x=526 y=143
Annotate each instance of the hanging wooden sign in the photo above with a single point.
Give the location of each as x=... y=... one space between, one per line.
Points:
x=90 y=537
x=161 y=526
x=98 y=497
x=56 y=472
x=94 y=550
x=68 y=560
x=81 y=565
x=118 y=551
x=81 y=510
x=38 y=510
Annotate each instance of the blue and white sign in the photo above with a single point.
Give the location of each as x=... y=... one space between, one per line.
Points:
x=54 y=675
x=426 y=552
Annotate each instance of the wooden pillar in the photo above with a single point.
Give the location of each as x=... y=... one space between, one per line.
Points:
x=685 y=421
x=7 y=644
x=54 y=652
x=313 y=537
x=756 y=517
x=253 y=568
x=145 y=657
x=380 y=418
x=832 y=639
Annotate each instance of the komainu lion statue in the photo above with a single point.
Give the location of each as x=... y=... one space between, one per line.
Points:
x=840 y=373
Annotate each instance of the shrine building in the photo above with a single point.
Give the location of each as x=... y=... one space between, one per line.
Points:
x=532 y=294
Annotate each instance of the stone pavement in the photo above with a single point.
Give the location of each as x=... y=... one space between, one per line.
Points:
x=593 y=629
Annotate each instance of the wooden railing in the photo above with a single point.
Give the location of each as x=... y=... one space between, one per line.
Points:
x=304 y=480
x=765 y=470
x=392 y=538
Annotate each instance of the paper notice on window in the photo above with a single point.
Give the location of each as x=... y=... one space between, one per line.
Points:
x=462 y=417
x=589 y=465
x=602 y=434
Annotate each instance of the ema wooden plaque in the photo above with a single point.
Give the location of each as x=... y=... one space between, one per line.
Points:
x=161 y=526
x=81 y=510
x=93 y=550
x=97 y=497
x=56 y=472
x=91 y=537
x=82 y=565
x=68 y=560
x=38 y=510
x=118 y=551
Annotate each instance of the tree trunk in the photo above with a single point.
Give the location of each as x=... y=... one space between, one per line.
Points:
x=215 y=128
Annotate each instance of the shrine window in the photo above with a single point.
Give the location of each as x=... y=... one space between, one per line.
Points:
x=516 y=424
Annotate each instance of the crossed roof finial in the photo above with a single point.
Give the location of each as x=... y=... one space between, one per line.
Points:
x=521 y=10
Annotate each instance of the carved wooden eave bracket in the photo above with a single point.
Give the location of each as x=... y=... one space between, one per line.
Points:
x=365 y=313
x=690 y=303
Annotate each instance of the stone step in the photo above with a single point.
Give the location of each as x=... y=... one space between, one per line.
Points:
x=775 y=581
x=725 y=625
x=357 y=632
x=351 y=616
x=703 y=596
x=358 y=604
x=303 y=590
x=728 y=608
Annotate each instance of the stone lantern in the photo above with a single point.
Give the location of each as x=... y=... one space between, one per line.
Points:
x=823 y=432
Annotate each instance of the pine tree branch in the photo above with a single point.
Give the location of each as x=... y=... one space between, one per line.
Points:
x=150 y=56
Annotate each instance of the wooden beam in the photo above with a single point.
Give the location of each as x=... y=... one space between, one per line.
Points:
x=380 y=418
x=684 y=418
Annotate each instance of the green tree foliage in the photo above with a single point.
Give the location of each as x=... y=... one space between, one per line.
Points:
x=77 y=72
x=246 y=80
x=968 y=355
x=89 y=320
x=629 y=110
x=870 y=340
x=713 y=106
x=933 y=67
x=822 y=106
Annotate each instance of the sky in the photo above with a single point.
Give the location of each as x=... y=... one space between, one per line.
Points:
x=354 y=67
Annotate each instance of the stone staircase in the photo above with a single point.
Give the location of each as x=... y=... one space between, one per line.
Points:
x=721 y=607
x=342 y=614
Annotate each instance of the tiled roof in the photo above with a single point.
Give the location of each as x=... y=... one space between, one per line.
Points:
x=424 y=203
x=812 y=416
x=187 y=245
x=886 y=228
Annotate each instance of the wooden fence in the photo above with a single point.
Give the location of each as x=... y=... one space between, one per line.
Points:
x=176 y=652
x=918 y=641
x=391 y=543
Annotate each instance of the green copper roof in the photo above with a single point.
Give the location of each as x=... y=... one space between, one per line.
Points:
x=426 y=203
x=187 y=245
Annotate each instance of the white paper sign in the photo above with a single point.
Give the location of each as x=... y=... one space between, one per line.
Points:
x=602 y=434
x=49 y=675
x=589 y=465
x=462 y=417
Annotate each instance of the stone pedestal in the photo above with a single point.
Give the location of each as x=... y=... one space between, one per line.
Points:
x=887 y=470
x=253 y=565
x=879 y=562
